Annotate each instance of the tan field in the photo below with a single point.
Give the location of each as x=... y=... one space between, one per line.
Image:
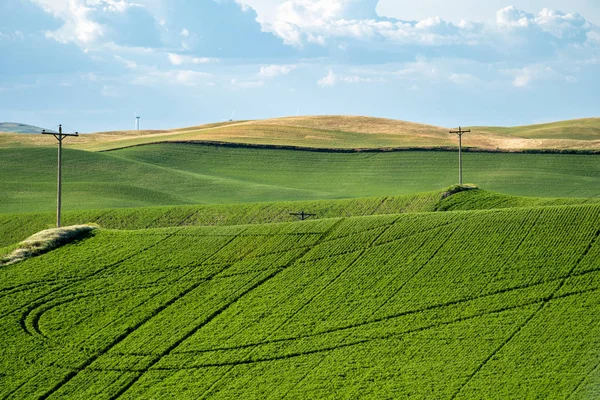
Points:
x=341 y=132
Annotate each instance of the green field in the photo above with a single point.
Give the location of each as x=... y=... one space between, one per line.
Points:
x=196 y=282
x=16 y=227
x=178 y=174
x=479 y=304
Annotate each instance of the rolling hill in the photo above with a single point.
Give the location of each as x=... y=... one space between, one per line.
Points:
x=14 y=127
x=17 y=227
x=179 y=174
x=453 y=305
x=344 y=132
x=577 y=129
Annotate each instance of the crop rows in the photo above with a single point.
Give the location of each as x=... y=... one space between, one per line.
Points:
x=444 y=305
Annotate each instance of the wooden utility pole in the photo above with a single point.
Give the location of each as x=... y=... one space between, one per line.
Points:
x=460 y=132
x=59 y=136
x=302 y=215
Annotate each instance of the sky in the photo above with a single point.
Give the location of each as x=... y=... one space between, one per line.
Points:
x=92 y=64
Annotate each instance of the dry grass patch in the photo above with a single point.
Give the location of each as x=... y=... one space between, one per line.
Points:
x=45 y=241
x=356 y=124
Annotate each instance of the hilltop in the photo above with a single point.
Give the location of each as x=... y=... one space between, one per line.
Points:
x=15 y=127
x=344 y=132
x=576 y=129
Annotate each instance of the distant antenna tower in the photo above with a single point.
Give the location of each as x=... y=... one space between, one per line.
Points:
x=231 y=116
x=137 y=120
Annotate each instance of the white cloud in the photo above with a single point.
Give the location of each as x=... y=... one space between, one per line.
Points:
x=570 y=79
x=524 y=77
x=175 y=59
x=16 y=35
x=555 y=23
x=78 y=27
x=462 y=78
x=119 y=6
x=299 y=22
x=251 y=84
x=355 y=27
x=91 y=22
x=184 y=32
x=593 y=38
x=128 y=63
x=152 y=77
x=271 y=71
x=109 y=91
x=437 y=71
x=204 y=60
x=178 y=59
x=360 y=79
x=510 y=17
x=329 y=80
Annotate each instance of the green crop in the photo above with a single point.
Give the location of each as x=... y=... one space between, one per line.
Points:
x=479 y=304
x=16 y=227
x=180 y=174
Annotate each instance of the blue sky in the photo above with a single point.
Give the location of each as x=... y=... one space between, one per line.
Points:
x=90 y=64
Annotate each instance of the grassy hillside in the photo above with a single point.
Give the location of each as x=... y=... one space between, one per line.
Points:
x=342 y=132
x=178 y=174
x=486 y=200
x=16 y=227
x=489 y=304
x=577 y=129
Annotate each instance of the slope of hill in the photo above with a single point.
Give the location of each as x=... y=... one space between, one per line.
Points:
x=484 y=304
x=343 y=132
x=577 y=129
x=177 y=174
x=14 y=127
x=16 y=227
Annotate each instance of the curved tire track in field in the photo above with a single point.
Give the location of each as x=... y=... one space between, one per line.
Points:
x=354 y=343
x=388 y=318
x=552 y=297
x=128 y=331
x=32 y=304
x=191 y=269
x=33 y=316
x=214 y=315
x=23 y=287
x=232 y=364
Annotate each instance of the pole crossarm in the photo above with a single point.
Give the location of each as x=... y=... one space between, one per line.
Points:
x=460 y=132
x=303 y=215
x=59 y=136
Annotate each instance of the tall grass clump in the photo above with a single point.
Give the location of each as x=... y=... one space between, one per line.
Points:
x=458 y=188
x=45 y=241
